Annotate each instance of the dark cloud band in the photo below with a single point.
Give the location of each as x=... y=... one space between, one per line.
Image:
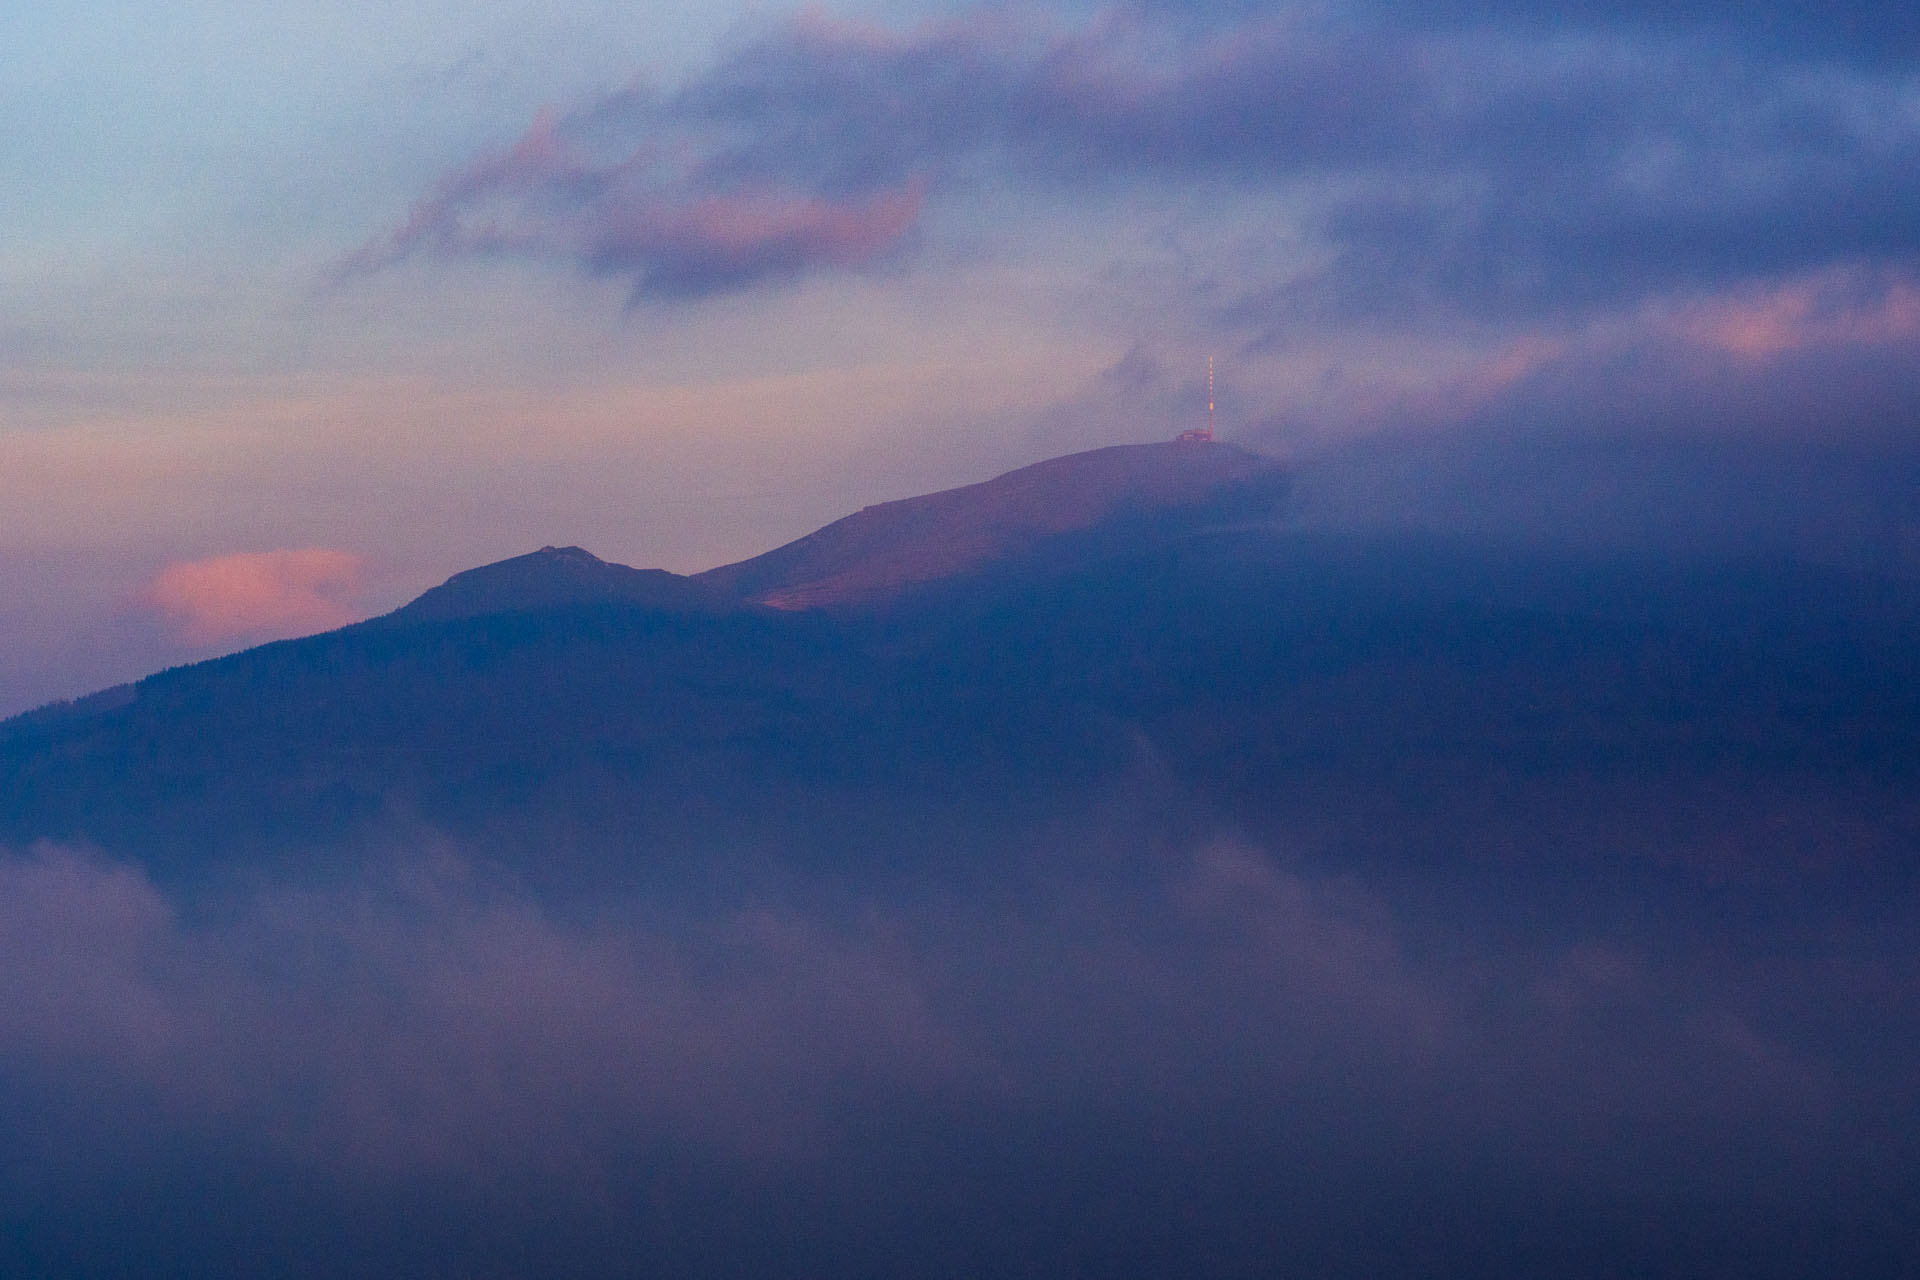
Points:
x=1497 y=168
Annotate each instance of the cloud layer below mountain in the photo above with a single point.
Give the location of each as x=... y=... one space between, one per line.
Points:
x=1234 y=1053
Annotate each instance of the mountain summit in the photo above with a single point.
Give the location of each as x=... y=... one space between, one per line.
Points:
x=549 y=578
x=1052 y=506
x=1052 y=511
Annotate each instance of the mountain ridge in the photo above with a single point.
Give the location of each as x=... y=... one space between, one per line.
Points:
x=549 y=577
x=1054 y=513
x=1262 y=671
x=1054 y=509
x=889 y=547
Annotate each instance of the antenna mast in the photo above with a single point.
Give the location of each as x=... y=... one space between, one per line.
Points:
x=1202 y=434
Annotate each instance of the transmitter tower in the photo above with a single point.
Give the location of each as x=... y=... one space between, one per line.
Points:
x=1203 y=434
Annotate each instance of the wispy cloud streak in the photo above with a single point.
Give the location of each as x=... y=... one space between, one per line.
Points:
x=671 y=234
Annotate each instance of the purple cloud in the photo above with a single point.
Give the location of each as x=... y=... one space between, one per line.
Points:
x=257 y=594
x=639 y=217
x=414 y=1018
x=1447 y=166
x=419 y=1036
x=731 y=241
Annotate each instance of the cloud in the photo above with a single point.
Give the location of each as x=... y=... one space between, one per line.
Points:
x=1855 y=30
x=257 y=594
x=1831 y=308
x=1446 y=166
x=638 y=217
x=726 y=242
x=1236 y=1045
x=404 y=1002
x=417 y=1019
x=1659 y=447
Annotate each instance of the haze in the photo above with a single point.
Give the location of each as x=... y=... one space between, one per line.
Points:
x=609 y=664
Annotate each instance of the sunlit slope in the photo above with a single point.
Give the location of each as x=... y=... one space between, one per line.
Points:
x=1045 y=511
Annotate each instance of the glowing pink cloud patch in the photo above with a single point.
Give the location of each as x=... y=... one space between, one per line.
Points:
x=726 y=240
x=1508 y=366
x=1839 y=307
x=256 y=595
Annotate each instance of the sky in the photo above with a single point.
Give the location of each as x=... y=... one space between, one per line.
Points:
x=303 y=309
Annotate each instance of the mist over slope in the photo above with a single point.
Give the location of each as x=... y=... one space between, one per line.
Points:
x=1850 y=500
x=1115 y=869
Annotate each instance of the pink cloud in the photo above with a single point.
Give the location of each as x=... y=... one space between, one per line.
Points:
x=1840 y=307
x=462 y=214
x=725 y=240
x=258 y=594
x=643 y=215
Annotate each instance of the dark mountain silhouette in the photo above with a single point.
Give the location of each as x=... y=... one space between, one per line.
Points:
x=579 y=719
x=1102 y=866
x=557 y=692
x=1052 y=514
x=549 y=578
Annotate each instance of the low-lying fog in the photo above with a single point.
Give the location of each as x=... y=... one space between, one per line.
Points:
x=1213 y=1060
